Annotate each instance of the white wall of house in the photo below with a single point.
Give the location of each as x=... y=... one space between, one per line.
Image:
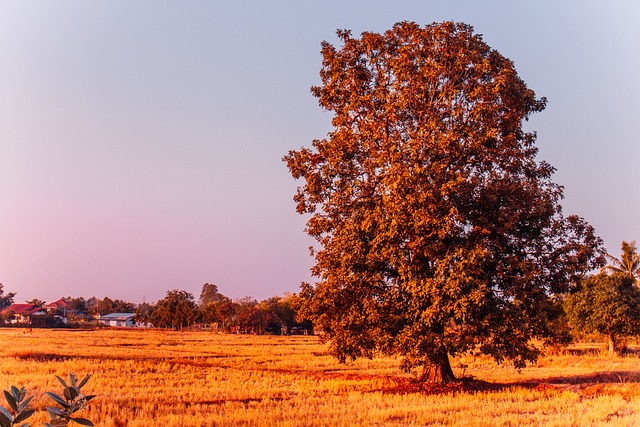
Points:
x=121 y=322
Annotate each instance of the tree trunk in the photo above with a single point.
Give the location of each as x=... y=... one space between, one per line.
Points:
x=612 y=345
x=439 y=371
x=616 y=347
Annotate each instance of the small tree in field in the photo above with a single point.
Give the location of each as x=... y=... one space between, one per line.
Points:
x=176 y=310
x=608 y=305
x=438 y=232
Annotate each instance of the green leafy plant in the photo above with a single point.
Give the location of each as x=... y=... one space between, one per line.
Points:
x=71 y=401
x=19 y=404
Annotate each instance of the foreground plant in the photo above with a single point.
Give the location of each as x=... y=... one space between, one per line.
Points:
x=19 y=404
x=71 y=401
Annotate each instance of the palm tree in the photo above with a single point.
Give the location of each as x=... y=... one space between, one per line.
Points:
x=628 y=263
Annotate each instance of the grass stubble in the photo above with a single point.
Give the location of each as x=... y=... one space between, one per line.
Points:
x=160 y=378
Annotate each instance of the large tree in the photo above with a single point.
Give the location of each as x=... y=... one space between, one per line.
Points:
x=438 y=232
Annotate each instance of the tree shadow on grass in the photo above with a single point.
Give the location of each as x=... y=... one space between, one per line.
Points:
x=584 y=384
x=608 y=377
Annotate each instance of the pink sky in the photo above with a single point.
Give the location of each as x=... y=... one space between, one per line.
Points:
x=141 y=142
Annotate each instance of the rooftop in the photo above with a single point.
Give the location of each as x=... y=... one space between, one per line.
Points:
x=117 y=316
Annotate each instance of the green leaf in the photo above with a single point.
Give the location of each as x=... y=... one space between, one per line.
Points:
x=64 y=384
x=82 y=421
x=88 y=398
x=23 y=415
x=58 y=399
x=25 y=403
x=70 y=393
x=5 y=417
x=10 y=400
x=16 y=393
x=52 y=410
x=84 y=381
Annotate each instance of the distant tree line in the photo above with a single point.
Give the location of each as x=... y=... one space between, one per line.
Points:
x=179 y=309
x=605 y=303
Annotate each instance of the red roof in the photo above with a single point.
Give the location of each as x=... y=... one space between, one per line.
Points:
x=60 y=304
x=22 y=309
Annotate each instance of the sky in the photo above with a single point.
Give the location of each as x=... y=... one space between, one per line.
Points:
x=141 y=143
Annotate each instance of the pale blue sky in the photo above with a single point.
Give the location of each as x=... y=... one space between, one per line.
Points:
x=141 y=141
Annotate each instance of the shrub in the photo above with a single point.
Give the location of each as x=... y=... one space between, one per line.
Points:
x=19 y=408
x=71 y=401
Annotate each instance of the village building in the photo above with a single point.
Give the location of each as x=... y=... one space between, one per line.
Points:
x=27 y=314
x=123 y=320
x=57 y=307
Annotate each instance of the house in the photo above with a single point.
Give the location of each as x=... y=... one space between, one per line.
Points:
x=119 y=320
x=22 y=313
x=56 y=307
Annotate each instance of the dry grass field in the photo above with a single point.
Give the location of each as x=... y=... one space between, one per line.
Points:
x=155 y=378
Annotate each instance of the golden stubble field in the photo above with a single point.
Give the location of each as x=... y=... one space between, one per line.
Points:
x=156 y=378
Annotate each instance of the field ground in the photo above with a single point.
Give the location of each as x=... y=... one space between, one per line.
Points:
x=155 y=378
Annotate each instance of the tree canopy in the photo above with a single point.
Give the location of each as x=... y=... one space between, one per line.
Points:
x=176 y=310
x=438 y=232
x=36 y=301
x=628 y=263
x=608 y=305
x=107 y=305
x=210 y=294
x=5 y=299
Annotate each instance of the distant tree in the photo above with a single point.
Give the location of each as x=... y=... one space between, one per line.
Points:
x=107 y=306
x=7 y=316
x=438 y=230
x=176 y=310
x=628 y=263
x=209 y=294
x=92 y=305
x=5 y=299
x=221 y=312
x=608 y=305
x=246 y=314
x=144 y=313
x=296 y=302
x=214 y=307
x=121 y=306
x=76 y=304
x=279 y=314
x=38 y=302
